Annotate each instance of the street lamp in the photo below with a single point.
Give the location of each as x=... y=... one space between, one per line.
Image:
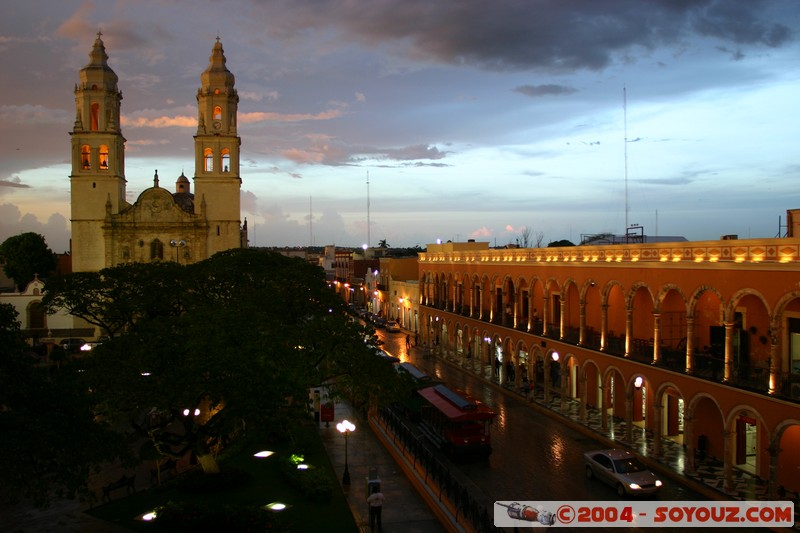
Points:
x=177 y=244
x=345 y=427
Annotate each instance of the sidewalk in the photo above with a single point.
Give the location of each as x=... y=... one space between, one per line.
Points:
x=404 y=511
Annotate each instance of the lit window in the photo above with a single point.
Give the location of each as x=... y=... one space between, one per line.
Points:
x=209 y=159
x=103 y=157
x=86 y=157
x=226 y=160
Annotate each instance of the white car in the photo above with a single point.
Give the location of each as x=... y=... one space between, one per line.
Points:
x=393 y=326
x=622 y=470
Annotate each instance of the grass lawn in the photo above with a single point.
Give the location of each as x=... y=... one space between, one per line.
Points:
x=266 y=485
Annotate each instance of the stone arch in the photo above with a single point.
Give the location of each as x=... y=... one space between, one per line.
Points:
x=570 y=378
x=634 y=289
x=706 y=427
x=571 y=306
x=524 y=363
x=639 y=402
x=591 y=377
x=730 y=308
x=670 y=417
x=592 y=316
x=664 y=291
x=786 y=438
x=741 y=443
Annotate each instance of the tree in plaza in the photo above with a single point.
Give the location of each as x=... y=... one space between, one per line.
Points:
x=26 y=255
x=119 y=296
x=51 y=440
x=239 y=339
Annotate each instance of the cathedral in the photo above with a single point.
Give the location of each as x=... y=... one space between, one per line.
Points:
x=161 y=225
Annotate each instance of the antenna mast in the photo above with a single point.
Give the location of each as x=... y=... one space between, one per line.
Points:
x=310 y=222
x=625 y=120
x=368 y=226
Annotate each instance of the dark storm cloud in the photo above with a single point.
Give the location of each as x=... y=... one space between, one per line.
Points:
x=531 y=34
x=13 y=182
x=737 y=22
x=419 y=151
x=544 y=90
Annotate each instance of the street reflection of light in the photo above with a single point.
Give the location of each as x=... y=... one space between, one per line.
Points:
x=558 y=450
x=501 y=419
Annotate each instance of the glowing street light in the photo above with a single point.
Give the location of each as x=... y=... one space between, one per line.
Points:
x=345 y=427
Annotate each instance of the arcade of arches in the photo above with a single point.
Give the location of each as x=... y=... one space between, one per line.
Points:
x=704 y=352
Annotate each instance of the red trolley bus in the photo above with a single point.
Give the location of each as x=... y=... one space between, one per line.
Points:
x=456 y=423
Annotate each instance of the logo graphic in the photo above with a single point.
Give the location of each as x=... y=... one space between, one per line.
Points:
x=518 y=511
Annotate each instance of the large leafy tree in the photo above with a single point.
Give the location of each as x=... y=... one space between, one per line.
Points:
x=50 y=437
x=118 y=297
x=241 y=337
x=26 y=255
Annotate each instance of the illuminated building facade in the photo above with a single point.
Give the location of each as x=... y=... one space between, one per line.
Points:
x=698 y=342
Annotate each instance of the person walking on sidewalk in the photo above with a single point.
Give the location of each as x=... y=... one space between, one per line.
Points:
x=408 y=342
x=375 y=501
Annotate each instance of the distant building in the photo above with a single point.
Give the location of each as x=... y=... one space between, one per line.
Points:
x=37 y=326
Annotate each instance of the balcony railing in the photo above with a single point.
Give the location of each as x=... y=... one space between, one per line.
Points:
x=754 y=377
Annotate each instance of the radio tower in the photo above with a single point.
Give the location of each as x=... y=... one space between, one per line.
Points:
x=368 y=227
x=625 y=120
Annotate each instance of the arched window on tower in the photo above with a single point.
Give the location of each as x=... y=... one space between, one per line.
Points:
x=95 y=117
x=217 y=113
x=226 y=160
x=86 y=157
x=208 y=155
x=103 y=157
x=156 y=250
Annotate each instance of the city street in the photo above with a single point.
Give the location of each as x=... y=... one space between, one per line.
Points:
x=535 y=458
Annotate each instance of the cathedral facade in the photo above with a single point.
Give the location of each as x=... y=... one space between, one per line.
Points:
x=160 y=225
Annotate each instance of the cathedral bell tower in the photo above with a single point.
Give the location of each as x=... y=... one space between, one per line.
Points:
x=97 y=180
x=216 y=176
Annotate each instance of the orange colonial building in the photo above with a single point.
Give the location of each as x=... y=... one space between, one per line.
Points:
x=698 y=342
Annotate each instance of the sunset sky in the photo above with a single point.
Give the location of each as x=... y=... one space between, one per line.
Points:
x=468 y=118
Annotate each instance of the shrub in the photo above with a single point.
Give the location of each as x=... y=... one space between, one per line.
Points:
x=194 y=517
x=313 y=484
x=197 y=481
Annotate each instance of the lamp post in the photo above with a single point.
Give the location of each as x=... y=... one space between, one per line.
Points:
x=177 y=244
x=345 y=427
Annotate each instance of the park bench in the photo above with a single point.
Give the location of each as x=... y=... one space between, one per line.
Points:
x=124 y=482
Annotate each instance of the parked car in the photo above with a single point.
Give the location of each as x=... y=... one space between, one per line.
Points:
x=72 y=345
x=385 y=356
x=392 y=326
x=379 y=321
x=622 y=470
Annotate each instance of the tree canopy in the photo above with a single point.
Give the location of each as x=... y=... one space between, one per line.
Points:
x=26 y=255
x=241 y=337
x=51 y=440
